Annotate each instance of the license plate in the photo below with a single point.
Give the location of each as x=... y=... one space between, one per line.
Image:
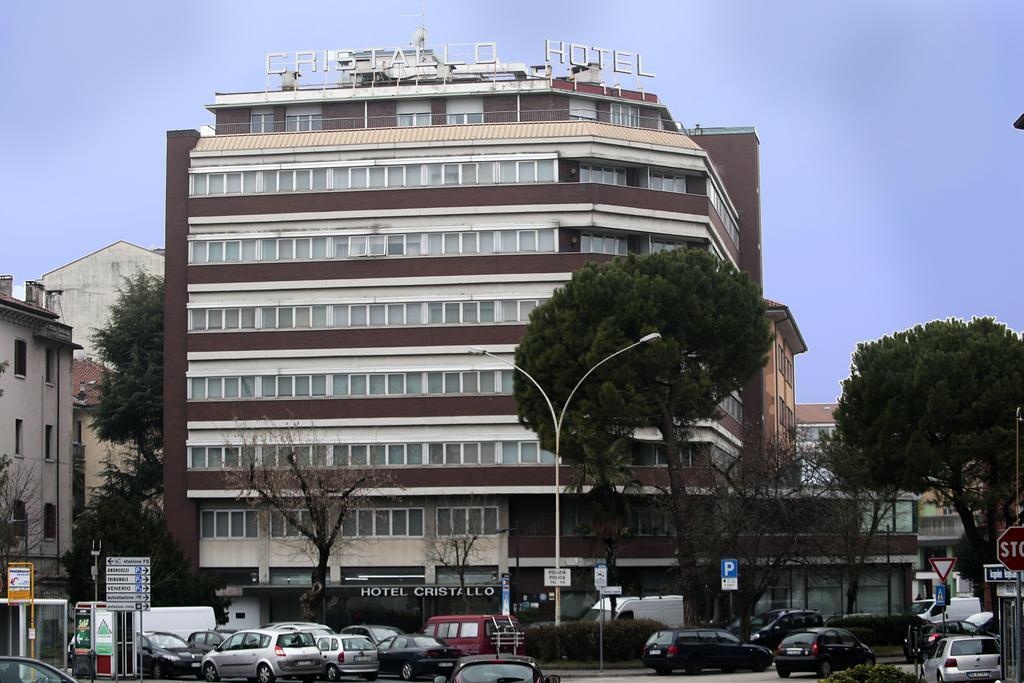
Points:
x=305 y=662
x=979 y=674
x=794 y=651
x=444 y=665
x=654 y=652
x=362 y=658
x=195 y=663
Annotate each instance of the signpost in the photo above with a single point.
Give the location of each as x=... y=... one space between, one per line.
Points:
x=557 y=578
x=21 y=588
x=942 y=566
x=1010 y=553
x=600 y=583
x=506 y=598
x=128 y=589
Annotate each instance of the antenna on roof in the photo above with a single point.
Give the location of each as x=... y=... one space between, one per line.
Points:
x=419 y=36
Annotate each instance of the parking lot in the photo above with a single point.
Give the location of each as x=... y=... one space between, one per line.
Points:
x=706 y=677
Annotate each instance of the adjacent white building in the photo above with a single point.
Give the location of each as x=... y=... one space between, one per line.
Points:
x=35 y=433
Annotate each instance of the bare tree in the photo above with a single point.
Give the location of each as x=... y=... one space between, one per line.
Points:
x=298 y=481
x=19 y=504
x=459 y=532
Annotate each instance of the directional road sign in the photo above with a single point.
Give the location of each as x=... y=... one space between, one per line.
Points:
x=128 y=583
x=611 y=590
x=128 y=561
x=126 y=606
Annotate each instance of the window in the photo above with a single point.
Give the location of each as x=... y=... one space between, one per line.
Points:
x=302 y=122
x=19 y=514
x=602 y=174
x=625 y=114
x=463 y=521
x=48 y=442
x=51 y=366
x=580 y=108
x=465 y=110
x=650 y=522
x=666 y=183
x=50 y=521
x=228 y=524
x=20 y=358
x=261 y=122
x=414 y=113
x=401 y=522
x=603 y=244
x=19 y=437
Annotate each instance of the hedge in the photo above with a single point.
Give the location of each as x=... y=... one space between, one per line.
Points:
x=578 y=640
x=883 y=673
x=888 y=629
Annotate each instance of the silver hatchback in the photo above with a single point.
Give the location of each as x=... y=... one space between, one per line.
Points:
x=346 y=655
x=264 y=655
x=963 y=659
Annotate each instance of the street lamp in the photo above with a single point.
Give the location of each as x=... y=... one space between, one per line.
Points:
x=557 y=419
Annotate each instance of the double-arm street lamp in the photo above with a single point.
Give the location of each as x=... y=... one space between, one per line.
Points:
x=557 y=419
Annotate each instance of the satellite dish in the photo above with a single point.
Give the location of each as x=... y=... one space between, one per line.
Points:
x=419 y=37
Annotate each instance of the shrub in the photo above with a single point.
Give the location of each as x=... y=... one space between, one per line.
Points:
x=882 y=673
x=864 y=635
x=888 y=629
x=578 y=640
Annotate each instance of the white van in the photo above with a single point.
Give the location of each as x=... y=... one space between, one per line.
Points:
x=668 y=609
x=957 y=610
x=181 y=621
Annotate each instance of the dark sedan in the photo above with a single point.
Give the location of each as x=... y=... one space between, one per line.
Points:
x=376 y=633
x=207 y=640
x=694 y=649
x=489 y=668
x=412 y=656
x=822 y=651
x=930 y=634
x=166 y=655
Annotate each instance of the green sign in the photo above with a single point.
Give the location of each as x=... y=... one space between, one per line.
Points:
x=83 y=630
x=104 y=632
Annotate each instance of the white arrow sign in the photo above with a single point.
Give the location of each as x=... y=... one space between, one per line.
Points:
x=127 y=605
x=132 y=571
x=126 y=588
x=128 y=561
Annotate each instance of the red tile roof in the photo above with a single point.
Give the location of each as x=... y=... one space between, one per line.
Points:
x=26 y=306
x=816 y=413
x=86 y=377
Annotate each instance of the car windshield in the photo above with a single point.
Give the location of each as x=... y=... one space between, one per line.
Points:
x=380 y=633
x=489 y=672
x=976 y=646
x=802 y=638
x=167 y=641
x=920 y=608
x=661 y=638
x=295 y=640
x=358 y=644
x=423 y=641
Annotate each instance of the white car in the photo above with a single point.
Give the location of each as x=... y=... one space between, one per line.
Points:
x=971 y=658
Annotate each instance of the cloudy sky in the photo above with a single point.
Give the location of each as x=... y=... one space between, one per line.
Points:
x=891 y=174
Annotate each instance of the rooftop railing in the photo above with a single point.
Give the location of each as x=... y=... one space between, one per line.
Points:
x=266 y=123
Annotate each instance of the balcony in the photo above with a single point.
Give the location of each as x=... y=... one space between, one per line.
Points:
x=316 y=123
x=940 y=527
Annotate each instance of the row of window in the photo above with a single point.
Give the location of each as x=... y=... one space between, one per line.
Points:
x=376 y=455
x=644 y=521
x=363 y=246
x=784 y=364
x=352 y=384
x=49 y=447
x=733 y=406
x=20 y=368
x=372 y=177
x=362 y=315
x=718 y=202
x=20 y=523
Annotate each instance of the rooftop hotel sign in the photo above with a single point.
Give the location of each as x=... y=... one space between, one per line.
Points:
x=454 y=54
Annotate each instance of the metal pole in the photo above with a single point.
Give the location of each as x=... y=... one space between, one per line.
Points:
x=1016 y=631
x=888 y=570
x=600 y=637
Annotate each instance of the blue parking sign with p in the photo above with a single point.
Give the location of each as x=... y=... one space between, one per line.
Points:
x=730 y=569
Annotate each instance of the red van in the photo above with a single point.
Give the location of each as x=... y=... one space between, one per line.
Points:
x=478 y=634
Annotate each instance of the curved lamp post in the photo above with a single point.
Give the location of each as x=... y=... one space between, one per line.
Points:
x=557 y=419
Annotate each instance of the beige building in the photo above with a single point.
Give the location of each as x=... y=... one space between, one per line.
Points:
x=89 y=286
x=35 y=434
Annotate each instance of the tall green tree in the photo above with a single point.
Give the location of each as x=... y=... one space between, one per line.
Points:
x=933 y=408
x=715 y=337
x=130 y=411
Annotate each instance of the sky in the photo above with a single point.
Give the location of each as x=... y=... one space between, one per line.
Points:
x=891 y=175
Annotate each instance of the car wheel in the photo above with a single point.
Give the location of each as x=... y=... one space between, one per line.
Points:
x=782 y=673
x=694 y=665
x=332 y=673
x=158 y=669
x=759 y=664
x=264 y=674
x=210 y=673
x=662 y=671
x=406 y=672
x=824 y=669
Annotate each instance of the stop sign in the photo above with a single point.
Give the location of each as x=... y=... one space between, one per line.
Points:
x=1010 y=548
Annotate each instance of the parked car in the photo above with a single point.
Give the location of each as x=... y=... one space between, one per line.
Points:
x=207 y=640
x=481 y=668
x=958 y=608
x=986 y=621
x=264 y=655
x=179 y=620
x=822 y=651
x=974 y=658
x=769 y=628
x=694 y=649
x=348 y=656
x=478 y=634
x=166 y=655
x=375 y=632
x=931 y=633
x=26 y=669
x=411 y=656
x=310 y=626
